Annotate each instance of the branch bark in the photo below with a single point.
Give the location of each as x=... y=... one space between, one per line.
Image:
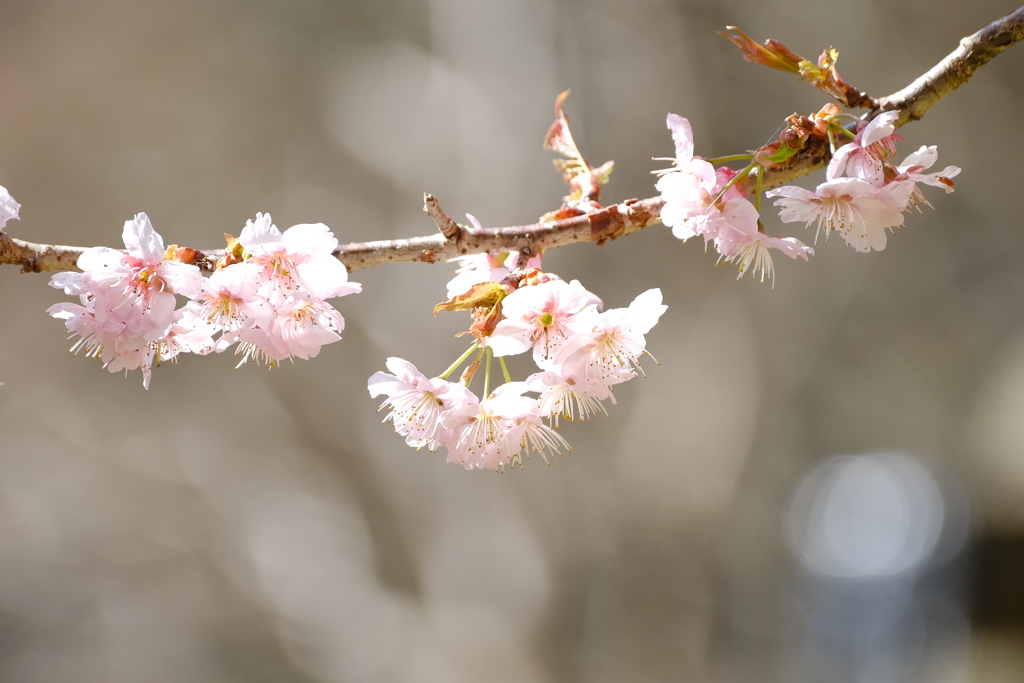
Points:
x=37 y=258
x=610 y=222
x=959 y=65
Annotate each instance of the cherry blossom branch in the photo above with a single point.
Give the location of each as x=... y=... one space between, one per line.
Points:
x=603 y=224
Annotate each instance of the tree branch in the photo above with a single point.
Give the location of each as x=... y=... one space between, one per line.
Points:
x=37 y=258
x=609 y=222
x=597 y=226
x=974 y=52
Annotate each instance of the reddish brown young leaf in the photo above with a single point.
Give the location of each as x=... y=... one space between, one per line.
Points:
x=584 y=180
x=772 y=54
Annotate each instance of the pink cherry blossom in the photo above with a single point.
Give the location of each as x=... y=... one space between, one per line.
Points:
x=488 y=434
x=723 y=177
x=863 y=157
x=740 y=241
x=924 y=158
x=688 y=208
x=146 y=273
x=228 y=300
x=189 y=333
x=687 y=187
x=540 y=317
x=93 y=336
x=755 y=256
x=273 y=305
x=304 y=324
x=910 y=170
x=684 y=162
x=128 y=299
x=300 y=258
x=129 y=355
x=416 y=403
x=300 y=325
x=610 y=353
x=8 y=207
x=538 y=437
x=581 y=352
x=499 y=430
x=737 y=222
x=135 y=290
x=858 y=210
x=568 y=397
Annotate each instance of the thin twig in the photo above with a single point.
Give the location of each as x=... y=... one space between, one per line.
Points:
x=449 y=228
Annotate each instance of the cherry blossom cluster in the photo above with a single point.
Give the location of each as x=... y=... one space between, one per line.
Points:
x=580 y=350
x=266 y=298
x=865 y=192
x=702 y=200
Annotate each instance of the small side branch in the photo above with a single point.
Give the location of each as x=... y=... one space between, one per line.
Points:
x=451 y=230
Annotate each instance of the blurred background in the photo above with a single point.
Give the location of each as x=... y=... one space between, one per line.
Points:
x=820 y=483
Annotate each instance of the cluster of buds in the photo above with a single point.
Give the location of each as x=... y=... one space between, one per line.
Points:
x=580 y=351
x=267 y=296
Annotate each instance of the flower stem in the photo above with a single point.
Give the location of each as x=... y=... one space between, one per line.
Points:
x=504 y=369
x=487 y=373
x=459 y=362
x=757 y=194
x=731 y=157
x=736 y=178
